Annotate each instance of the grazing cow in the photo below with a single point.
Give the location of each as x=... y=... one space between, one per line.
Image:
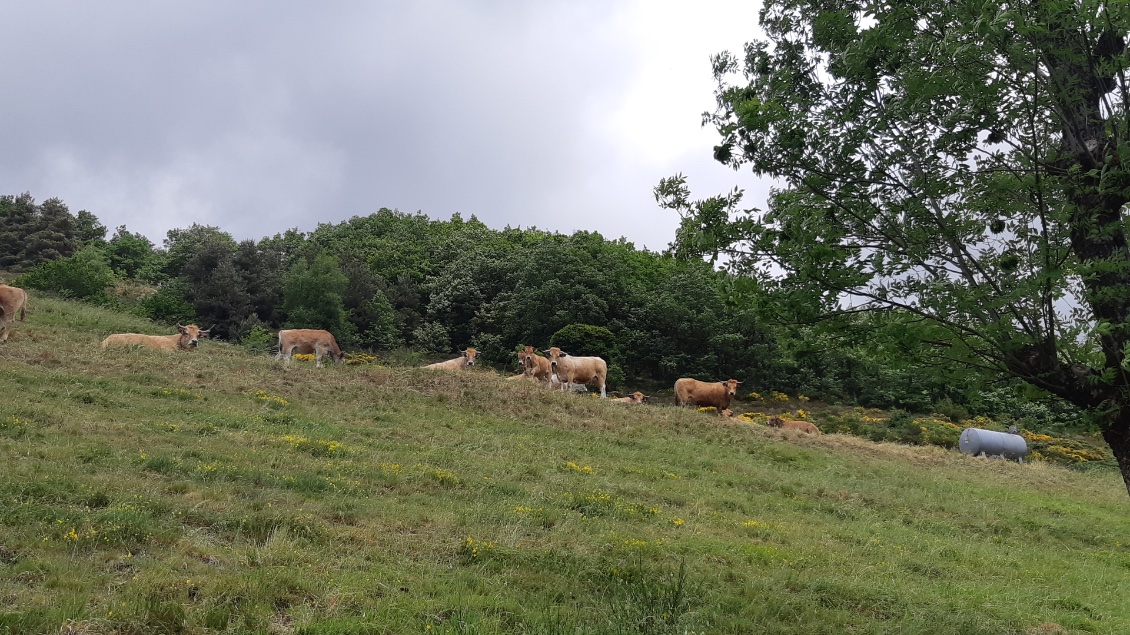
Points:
x=534 y=365
x=692 y=392
x=466 y=359
x=185 y=340
x=308 y=341
x=13 y=300
x=636 y=397
x=785 y=424
x=571 y=370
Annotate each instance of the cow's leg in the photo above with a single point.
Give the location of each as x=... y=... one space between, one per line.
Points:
x=319 y=353
x=602 y=393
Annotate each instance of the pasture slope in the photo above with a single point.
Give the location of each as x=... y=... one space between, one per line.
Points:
x=215 y=492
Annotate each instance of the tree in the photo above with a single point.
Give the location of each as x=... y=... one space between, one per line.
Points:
x=961 y=162
x=183 y=248
x=88 y=229
x=129 y=253
x=312 y=296
x=17 y=220
x=52 y=236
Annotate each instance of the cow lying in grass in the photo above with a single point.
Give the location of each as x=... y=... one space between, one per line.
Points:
x=636 y=397
x=186 y=339
x=466 y=359
x=785 y=424
x=717 y=394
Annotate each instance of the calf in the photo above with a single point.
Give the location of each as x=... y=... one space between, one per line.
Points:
x=533 y=365
x=572 y=370
x=13 y=300
x=186 y=339
x=692 y=392
x=309 y=341
x=636 y=397
x=466 y=359
x=785 y=424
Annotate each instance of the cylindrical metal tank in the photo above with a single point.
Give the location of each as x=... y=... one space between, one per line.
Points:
x=976 y=441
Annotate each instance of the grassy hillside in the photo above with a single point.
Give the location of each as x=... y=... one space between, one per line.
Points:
x=216 y=492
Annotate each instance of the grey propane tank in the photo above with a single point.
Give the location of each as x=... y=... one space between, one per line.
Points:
x=975 y=441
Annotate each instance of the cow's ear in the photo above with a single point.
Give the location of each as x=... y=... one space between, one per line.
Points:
x=181 y=329
x=463 y=353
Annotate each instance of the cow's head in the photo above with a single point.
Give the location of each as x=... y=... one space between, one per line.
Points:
x=554 y=355
x=731 y=386
x=471 y=355
x=775 y=422
x=639 y=397
x=190 y=335
x=526 y=357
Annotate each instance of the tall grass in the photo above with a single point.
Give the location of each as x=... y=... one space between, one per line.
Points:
x=215 y=491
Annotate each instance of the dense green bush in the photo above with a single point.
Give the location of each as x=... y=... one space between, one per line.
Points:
x=259 y=340
x=83 y=276
x=587 y=340
x=168 y=306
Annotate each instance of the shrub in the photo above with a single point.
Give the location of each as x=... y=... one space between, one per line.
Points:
x=954 y=412
x=432 y=337
x=259 y=340
x=83 y=276
x=586 y=340
x=168 y=306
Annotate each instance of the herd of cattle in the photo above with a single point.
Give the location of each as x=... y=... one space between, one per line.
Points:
x=556 y=368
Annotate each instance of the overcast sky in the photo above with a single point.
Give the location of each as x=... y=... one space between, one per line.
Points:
x=257 y=116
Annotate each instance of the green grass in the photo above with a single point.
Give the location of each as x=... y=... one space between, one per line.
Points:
x=216 y=492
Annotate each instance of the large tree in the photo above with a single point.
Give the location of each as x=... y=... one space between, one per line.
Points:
x=960 y=161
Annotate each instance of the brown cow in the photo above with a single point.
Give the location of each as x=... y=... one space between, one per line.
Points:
x=636 y=397
x=692 y=392
x=308 y=341
x=185 y=340
x=785 y=424
x=466 y=359
x=533 y=365
x=571 y=370
x=13 y=300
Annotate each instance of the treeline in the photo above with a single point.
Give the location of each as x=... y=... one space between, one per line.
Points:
x=394 y=281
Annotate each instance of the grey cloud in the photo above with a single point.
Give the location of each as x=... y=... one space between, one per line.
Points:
x=260 y=116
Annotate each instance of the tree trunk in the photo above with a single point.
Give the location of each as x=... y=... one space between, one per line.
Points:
x=1117 y=436
x=1079 y=76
